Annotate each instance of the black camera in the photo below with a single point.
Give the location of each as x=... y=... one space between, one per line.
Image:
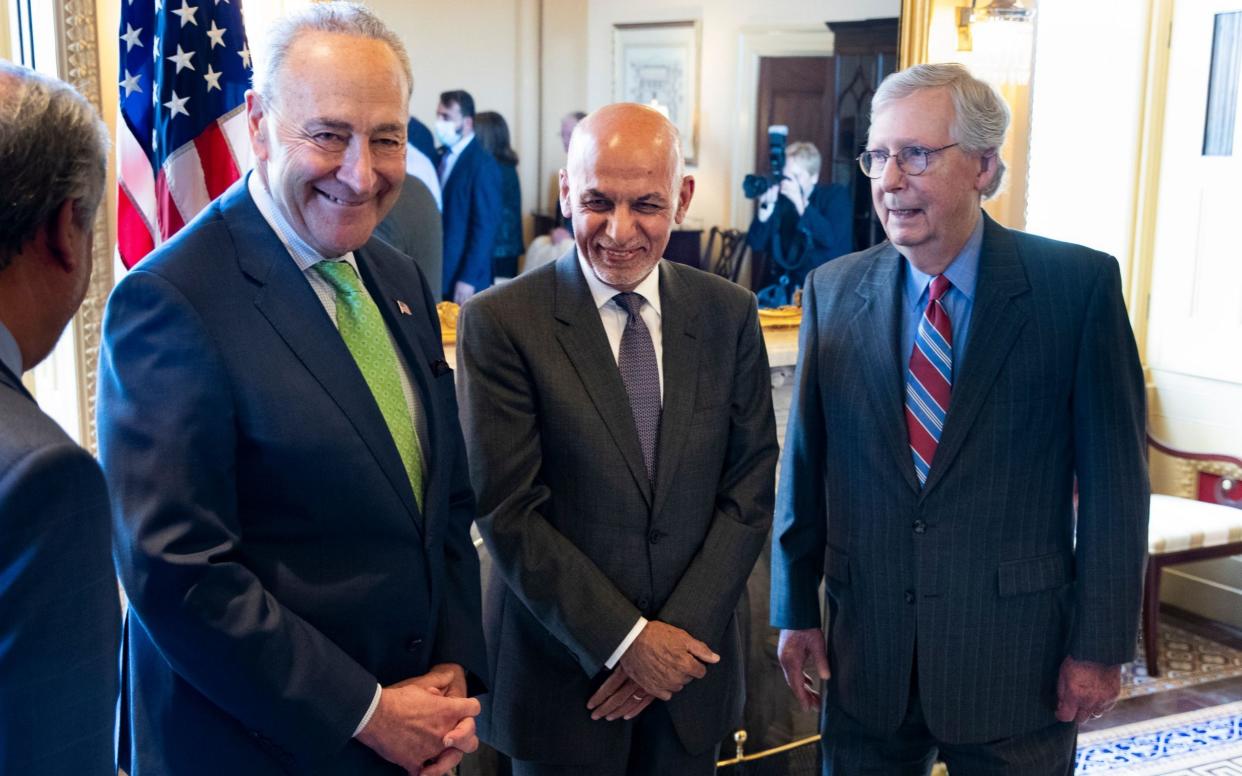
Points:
x=754 y=185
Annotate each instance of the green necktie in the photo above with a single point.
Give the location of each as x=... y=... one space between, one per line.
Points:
x=362 y=327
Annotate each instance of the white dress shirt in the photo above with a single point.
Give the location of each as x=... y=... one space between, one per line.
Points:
x=614 y=317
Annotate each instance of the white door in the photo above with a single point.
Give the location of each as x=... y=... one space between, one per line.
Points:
x=1195 y=326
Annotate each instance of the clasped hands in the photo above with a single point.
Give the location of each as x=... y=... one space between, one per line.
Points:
x=424 y=724
x=660 y=662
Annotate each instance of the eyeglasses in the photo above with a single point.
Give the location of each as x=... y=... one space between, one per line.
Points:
x=912 y=160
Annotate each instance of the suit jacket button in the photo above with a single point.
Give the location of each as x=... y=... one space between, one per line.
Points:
x=655 y=536
x=642 y=603
x=920 y=527
x=414 y=645
x=909 y=596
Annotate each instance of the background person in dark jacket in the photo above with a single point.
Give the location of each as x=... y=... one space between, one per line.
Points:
x=493 y=132
x=811 y=220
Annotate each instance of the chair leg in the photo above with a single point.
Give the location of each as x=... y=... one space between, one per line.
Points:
x=1151 y=616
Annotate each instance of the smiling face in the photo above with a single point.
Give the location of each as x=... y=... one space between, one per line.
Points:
x=331 y=146
x=930 y=216
x=624 y=192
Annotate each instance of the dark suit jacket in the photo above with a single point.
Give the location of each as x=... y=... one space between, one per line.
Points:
x=413 y=227
x=60 y=609
x=266 y=534
x=472 y=212
x=824 y=231
x=979 y=569
x=581 y=544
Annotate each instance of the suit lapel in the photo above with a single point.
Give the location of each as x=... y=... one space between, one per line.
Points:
x=996 y=321
x=13 y=381
x=411 y=335
x=876 y=329
x=585 y=343
x=288 y=302
x=679 y=326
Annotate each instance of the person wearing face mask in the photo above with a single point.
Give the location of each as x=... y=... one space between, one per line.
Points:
x=807 y=222
x=470 y=182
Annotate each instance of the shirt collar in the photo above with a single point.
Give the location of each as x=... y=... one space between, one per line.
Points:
x=602 y=293
x=460 y=145
x=962 y=272
x=10 y=352
x=303 y=255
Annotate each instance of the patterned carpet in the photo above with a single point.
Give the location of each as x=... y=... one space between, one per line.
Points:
x=1186 y=659
x=1206 y=742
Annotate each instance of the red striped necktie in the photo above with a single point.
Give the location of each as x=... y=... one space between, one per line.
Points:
x=929 y=381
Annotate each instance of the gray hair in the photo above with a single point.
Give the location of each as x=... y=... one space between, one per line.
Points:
x=980 y=115
x=806 y=155
x=53 y=148
x=341 y=18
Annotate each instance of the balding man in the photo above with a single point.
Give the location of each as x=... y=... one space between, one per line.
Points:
x=279 y=426
x=622 y=445
x=60 y=611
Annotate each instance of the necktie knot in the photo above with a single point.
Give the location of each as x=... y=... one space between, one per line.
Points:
x=940 y=286
x=341 y=276
x=631 y=302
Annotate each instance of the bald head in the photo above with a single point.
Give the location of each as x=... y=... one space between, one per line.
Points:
x=624 y=187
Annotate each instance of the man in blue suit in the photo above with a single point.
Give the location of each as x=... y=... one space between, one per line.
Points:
x=470 y=185
x=953 y=385
x=279 y=427
x=60 y=610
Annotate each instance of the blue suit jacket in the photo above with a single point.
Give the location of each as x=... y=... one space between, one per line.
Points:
x=979 y=570
x=60 y=610
x=472 y=213
x=266 y=534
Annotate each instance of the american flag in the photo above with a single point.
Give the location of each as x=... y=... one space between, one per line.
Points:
x=182 y=140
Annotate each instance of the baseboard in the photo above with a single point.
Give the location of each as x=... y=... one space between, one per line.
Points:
x=1211 y=589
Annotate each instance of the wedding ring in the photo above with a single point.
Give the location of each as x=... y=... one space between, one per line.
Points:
x=637 y=697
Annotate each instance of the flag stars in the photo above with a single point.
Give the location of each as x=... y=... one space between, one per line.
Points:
x=176 y=105
x=186 y=12
x=131 y=37
x=245 y=55
x=213 y=78
x=216 y=34
x=182 y=58
x=131 y=84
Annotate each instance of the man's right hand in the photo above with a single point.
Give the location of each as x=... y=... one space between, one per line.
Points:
x=795 y=649
x=420 y=729
x=664 y=659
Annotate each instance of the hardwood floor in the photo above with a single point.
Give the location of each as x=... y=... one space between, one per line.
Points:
x=1200 y=696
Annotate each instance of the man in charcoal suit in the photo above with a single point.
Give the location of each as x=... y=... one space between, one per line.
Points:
x=622 y=445
x=60 y=610
x=280 y=429
x=953 y=384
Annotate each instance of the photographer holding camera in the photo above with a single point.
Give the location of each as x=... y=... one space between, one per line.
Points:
x=800 y=224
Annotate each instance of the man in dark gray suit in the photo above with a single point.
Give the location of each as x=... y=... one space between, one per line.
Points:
x=60 y=610
x=953 y=383
x=624 y=497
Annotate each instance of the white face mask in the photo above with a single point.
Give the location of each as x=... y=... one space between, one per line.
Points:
x=446 y=133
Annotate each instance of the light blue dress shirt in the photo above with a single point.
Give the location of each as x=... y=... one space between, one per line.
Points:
x=958 y=301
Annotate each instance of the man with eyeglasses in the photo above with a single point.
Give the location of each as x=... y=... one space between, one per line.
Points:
x=278 y=425
x=953 y=385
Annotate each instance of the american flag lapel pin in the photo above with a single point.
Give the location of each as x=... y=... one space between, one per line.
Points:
x=404 y=308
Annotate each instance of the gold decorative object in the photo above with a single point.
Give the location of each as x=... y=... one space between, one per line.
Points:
x=784 y=317
x=448 y=312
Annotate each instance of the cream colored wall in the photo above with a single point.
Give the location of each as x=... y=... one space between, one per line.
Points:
x=722 y=24
x=487 y=47
x=564 y=84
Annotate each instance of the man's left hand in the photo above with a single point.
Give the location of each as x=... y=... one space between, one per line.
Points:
x=462 y=292
x=1086 y=690
x=447 y=678
x=619 y=697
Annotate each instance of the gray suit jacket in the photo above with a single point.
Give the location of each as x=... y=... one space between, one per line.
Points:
x=582 y=544
x=978 y=571
x=60 y=609
x=413 y=227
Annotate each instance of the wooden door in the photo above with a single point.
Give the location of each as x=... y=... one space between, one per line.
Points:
x=796 y=92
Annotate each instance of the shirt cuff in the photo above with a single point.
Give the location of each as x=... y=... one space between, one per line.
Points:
x=629 y=639
x=370 y=710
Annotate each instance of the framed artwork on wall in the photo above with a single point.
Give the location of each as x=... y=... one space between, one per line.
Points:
x=657 y=64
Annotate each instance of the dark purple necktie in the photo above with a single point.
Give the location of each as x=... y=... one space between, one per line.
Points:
x=641 y=375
